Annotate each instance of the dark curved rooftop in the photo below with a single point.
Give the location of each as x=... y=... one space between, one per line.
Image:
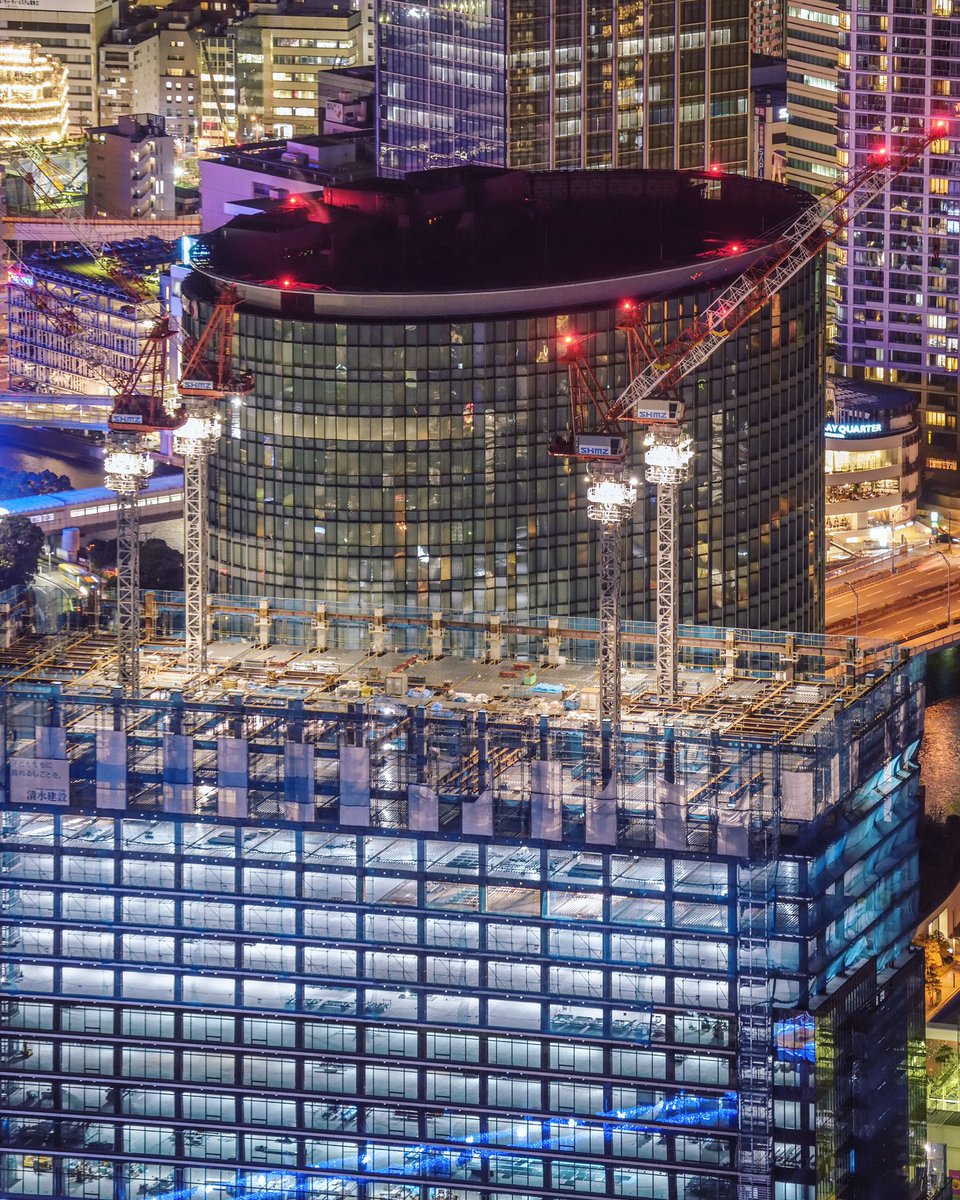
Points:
x=864 y=396
x=476 y=228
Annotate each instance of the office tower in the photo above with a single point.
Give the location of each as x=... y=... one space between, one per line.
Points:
x=899 y=264
x=405 y=338
x=380 y=949
x=548 y=86
x=71 y=31
x=279 y=57
x=441 y=83
x=628 y=85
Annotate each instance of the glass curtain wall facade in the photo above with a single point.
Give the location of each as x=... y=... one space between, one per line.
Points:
x=404 y=461
x=561 y=85
x=441 y=83
x=295 y=952
x=899 y=264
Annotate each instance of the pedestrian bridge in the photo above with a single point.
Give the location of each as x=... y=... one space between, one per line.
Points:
x=57 y=410
x=95 y=508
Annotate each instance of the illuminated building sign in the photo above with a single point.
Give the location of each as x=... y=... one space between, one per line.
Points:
x=858 y=429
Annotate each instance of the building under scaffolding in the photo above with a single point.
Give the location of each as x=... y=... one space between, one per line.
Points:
x=387 y=915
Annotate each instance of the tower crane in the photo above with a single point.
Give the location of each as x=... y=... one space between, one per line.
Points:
x=207 y=377
x=599 y=428
x=141 y=408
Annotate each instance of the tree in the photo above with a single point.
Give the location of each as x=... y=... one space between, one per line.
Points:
x=20 y=545
x=161 y=566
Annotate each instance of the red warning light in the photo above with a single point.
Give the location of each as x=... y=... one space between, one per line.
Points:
x=881 y=152
x=714 y=169
x=939 y=126
x=568 y=340
x=734 y=248
x=286 y=282
x=627 y=305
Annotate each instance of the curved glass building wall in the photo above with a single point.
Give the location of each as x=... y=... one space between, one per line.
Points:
x=394 y=450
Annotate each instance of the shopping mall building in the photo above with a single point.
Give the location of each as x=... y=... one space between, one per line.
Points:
x=404 y=336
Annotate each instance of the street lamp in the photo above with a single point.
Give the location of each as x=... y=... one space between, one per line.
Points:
x=856 y=600
x=949 y=573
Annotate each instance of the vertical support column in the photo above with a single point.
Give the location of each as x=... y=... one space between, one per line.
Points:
x=149 y=615
x=378 y=633
x=609 y=650
x=195 y=572
x=435 y=635
x=263 y=623
x=494 y=640
x=128 y=592
x=553 y=642
x=321 y=629
x=666 y=591
x=477 y=818
x=233 y=777
x=730 y=652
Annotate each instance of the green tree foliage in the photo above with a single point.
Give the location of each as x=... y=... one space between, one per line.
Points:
x=161 y=566
x=20 y=545
x=14 y=484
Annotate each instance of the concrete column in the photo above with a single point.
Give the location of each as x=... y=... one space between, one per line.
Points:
x=378 y=633
x=423 y=809
x=233 y=777
x=111 y=752
x=355 y=785
x=546 y=822
x=321 y=629
x=435 y=635
x=553 y=642
x=178 y=790
x=263 y=623
x=298 y=781
x=494 y=640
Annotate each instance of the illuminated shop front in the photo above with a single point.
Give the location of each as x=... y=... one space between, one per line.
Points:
x=872 y=462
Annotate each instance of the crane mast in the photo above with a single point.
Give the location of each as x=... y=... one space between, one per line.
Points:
x=651 y=399
x=140 y=409
x=206 y=378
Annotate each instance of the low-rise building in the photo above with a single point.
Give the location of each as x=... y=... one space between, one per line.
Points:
x=872 y=462
x=72 y=328
x=130 y=169
x=234 y=176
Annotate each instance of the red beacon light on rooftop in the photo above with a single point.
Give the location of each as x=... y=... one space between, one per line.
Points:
x=735 y=248
x=715 y=169
x=286 y=282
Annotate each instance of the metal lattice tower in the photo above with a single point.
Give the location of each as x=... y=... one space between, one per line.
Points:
x=666 y=463
x=611 y=499
x=196 y=441
x=141 y=408
x=127 y=468
x=207 y=377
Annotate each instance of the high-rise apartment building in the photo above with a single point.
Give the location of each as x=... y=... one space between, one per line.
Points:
x=71 y=31
x=623 y=85
x=129 y=72
x=354 y=946
x=899 y=264
x=813 y=51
